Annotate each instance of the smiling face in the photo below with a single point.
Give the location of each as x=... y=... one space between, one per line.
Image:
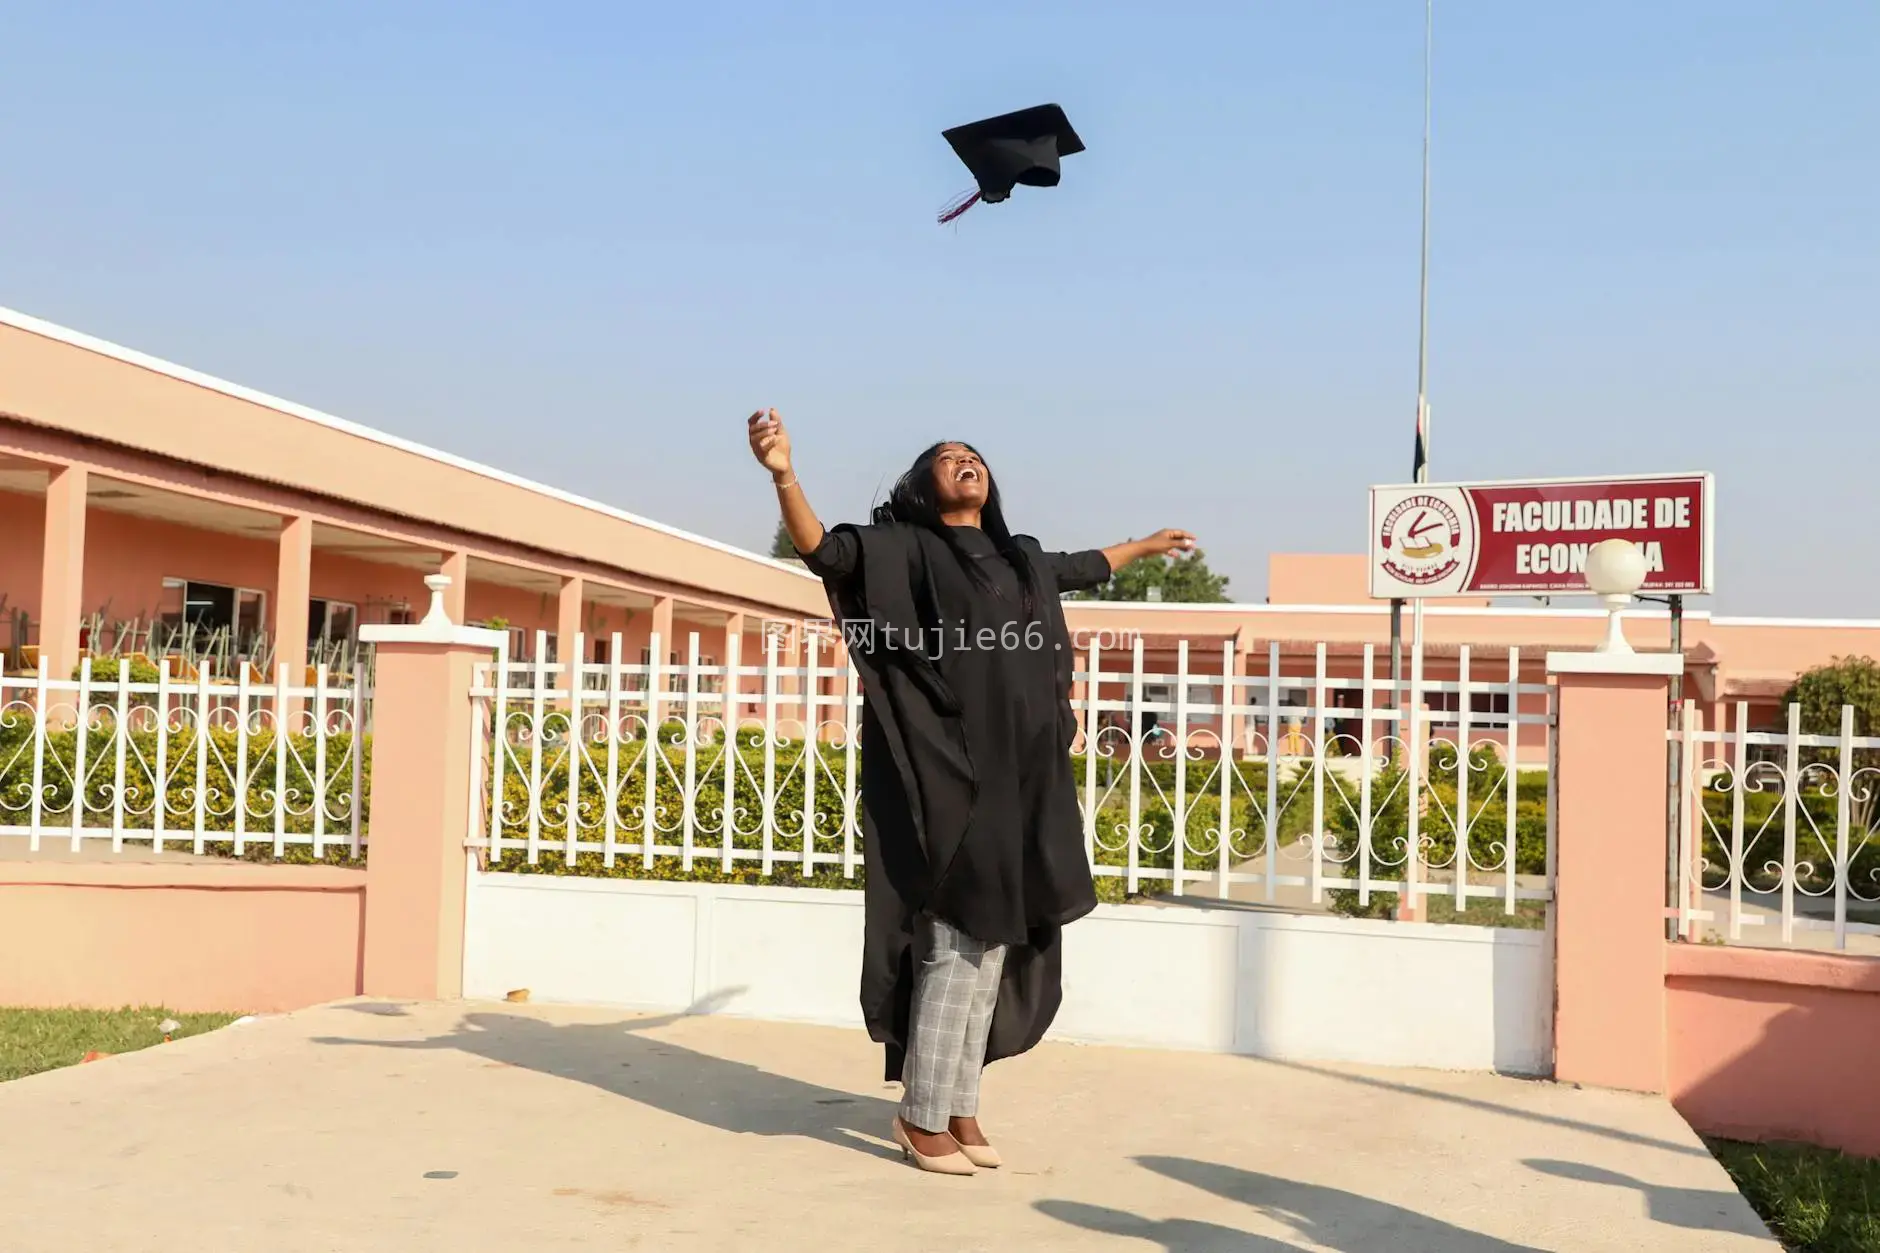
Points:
x=960 y=479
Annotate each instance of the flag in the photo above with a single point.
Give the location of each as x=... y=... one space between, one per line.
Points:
x=1420 y=465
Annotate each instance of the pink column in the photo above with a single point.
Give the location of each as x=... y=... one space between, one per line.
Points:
x=415 y=873
x=569 y=624
x=62 y=570
x=662 y=623
x=660 y=641
x=734 y=630
x=293 y=583
x=456 y=568
x=1609 y=929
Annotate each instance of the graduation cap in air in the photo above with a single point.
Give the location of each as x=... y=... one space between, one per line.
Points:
x=1009 y=150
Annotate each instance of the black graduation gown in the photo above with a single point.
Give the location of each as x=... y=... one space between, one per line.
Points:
x=969 y=808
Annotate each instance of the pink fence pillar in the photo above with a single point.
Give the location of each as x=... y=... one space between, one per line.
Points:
x=1609 y=959
x=421 y=770
x=62 y=569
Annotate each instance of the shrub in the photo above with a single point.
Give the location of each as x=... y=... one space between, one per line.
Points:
x=1486 y=823
x=179 y=786
x=107 y=670
x=1156 y=820
x=1816 y=819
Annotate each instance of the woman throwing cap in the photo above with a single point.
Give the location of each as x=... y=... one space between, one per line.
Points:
x=972 y=840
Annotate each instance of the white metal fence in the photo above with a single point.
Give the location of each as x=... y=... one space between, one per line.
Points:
x=192 y=766
x=1776 y=841
x=1294 y=786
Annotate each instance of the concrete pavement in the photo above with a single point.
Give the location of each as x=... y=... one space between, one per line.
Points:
x=372 y=1127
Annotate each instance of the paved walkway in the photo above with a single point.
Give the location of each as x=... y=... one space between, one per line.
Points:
x=375 y=1128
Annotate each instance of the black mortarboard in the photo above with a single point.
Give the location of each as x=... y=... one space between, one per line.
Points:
x=1003 y=152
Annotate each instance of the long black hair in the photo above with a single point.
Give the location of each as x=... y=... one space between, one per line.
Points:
x=915 y=502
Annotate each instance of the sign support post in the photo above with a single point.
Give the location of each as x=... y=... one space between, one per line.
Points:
x=1674 y=870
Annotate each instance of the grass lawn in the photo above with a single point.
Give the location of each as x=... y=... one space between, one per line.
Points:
x=1527 y=916
x=32 y=1040
x=1815 y=1200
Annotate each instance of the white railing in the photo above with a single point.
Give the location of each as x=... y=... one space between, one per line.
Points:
x=190 y=766
x=1776 y=837
x=1290 y=788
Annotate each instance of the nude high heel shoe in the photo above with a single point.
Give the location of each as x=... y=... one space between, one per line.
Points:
x=948 y=1164
x=983 y=1156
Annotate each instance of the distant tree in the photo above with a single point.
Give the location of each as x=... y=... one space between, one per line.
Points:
x=1182 y=580
x=1822 y=693
x=780 y=545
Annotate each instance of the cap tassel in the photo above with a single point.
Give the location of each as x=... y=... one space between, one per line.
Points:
x=959 y=206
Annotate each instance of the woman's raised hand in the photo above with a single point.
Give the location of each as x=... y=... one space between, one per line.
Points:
x=1170 y=542
x=770 y=443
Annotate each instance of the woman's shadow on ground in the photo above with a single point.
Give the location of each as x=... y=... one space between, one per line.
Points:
x=712 y=1091
x=1330 y=1218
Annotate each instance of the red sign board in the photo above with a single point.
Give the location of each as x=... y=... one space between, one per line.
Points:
x=1531 y=538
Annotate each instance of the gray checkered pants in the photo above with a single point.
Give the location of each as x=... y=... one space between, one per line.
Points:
x=954 y=994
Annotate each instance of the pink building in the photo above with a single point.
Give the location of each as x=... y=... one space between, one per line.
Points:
x=136 y=494
x=1319 y=601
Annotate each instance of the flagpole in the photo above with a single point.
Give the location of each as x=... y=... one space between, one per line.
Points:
x=1423 y=294
x=1420 y=459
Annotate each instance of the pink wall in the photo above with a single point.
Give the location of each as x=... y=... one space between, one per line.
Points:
x=187 y=936
x=1324 y=579
x=127 y=559
x=524 y=610
x=1771 y=1045
x=530 y=611
x=22 y=553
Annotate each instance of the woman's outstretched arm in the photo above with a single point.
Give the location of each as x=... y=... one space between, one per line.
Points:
x=770 y=444
x=1079 y=572
x=1168 y=542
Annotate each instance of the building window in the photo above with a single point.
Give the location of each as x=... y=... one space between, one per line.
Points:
x=213 y=607
x=1485 y=708
x=331 y=621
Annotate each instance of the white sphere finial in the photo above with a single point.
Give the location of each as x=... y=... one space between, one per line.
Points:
x=437 y=616
x=1615 y=570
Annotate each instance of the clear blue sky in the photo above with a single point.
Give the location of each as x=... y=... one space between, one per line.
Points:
x=583 y=241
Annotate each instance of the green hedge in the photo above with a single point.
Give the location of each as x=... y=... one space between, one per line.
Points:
x=1486 y=823
x=1816 y=815
x=140 y=756
x=1157 y=813
x=107 y=669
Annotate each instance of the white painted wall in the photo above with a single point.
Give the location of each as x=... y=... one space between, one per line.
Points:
x=1159 y=976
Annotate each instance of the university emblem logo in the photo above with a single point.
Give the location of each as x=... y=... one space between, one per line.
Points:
x=1421 y=537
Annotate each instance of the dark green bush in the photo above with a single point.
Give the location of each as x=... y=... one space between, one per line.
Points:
x=179 y=788
x=1157 y=847
x=1816 y=818
x=1486 y=824
x=107 y=670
